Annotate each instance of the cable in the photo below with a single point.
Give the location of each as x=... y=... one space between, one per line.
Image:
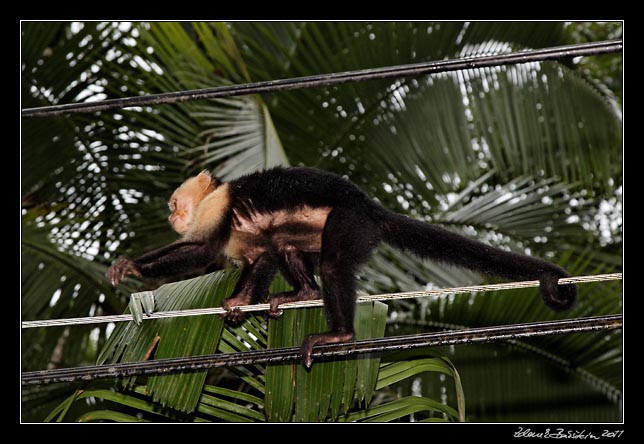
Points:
x=280 y=355
x=319 y=302
x=410 y=70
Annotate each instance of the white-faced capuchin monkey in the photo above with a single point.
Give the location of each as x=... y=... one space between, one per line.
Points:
x=294 y=219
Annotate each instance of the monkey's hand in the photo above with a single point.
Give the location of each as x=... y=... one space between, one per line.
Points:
x=120 y=269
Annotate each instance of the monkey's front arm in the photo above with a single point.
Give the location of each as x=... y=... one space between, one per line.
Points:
x=176 y=258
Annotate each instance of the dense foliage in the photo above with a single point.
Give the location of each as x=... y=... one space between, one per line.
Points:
x=527 y=157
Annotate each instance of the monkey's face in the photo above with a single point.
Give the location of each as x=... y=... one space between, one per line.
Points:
x=181 y=212
x=186 y=199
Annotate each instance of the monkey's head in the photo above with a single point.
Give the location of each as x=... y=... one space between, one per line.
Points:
x=187 y=198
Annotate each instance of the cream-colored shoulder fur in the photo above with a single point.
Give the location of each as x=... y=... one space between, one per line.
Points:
x=209 y=213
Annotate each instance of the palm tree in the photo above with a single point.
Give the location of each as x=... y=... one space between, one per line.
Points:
x=526 y=157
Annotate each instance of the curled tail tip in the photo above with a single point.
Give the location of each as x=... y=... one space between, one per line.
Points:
x=563 y=299
x=558 y=297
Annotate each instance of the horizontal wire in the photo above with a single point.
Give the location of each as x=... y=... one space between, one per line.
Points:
x=319 y=302
x=281 y=355
x=409 y=70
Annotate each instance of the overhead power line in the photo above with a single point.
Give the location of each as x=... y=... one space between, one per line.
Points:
x=409 y=70
x=319 y=302
x=280 y=355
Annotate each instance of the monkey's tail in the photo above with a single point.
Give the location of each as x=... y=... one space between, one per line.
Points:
x=432 y=242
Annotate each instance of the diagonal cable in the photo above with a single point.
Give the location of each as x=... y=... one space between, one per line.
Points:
x=280 y=355
x=409 y=70
x=318 y=302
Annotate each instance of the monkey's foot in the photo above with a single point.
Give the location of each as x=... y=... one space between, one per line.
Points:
x=321 y=338
x=290 y=296
x=233 y=314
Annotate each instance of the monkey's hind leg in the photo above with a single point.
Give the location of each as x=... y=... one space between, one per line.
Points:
x=297 y=269
x=252 y=286
x=348 y=241
x=338 y=292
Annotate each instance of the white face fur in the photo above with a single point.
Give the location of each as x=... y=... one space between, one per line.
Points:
x=186 y=199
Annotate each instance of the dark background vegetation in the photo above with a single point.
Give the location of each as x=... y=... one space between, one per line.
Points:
x=526 y=157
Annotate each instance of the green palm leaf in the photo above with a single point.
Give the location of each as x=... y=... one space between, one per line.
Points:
x=306 y=396
x=182 y=336
x=590 y=359
x=328 y=390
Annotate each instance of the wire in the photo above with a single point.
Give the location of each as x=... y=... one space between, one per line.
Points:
x=410 y=70
x=319 y=302
x=281 y=355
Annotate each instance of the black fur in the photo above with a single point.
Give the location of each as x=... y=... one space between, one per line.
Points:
x=354 y=227
x=283 y=188
x=432 y=242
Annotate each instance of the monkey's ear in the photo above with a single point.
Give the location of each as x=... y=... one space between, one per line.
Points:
x=206 y=180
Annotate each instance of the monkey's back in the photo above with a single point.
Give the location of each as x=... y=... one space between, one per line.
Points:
x=282 y=188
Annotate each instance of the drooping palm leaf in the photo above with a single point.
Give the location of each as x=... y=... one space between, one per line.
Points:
x=310 y=396
x=166 y=338
x=176 y=337
x=315 y=395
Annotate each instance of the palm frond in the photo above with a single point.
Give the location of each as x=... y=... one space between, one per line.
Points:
x=174 y=337
x=590 y=357
x=304 y=396
x=56 y=284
